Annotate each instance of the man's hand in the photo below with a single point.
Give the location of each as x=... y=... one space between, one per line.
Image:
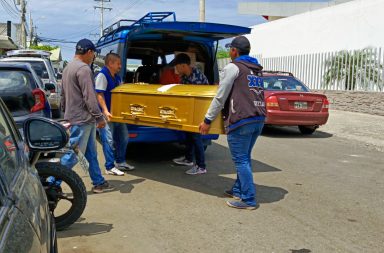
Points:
x=101 y=124
x=204 y=128
x=107 y=115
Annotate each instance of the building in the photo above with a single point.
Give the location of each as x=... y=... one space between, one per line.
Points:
x=349 y=26
x=273 y=10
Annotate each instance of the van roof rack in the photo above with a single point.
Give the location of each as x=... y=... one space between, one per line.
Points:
x=277 y=72
x=150 y=17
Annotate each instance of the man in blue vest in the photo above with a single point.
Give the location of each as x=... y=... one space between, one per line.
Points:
x=114 y=137
x=240 y=98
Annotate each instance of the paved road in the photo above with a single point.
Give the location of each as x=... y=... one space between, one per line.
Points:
x=322 y=193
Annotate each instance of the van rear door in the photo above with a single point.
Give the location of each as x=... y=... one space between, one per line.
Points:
x=211 y=31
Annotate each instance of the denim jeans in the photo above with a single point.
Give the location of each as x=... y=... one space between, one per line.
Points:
x=84 y=136
x=241 y=141
x=195 y=148
x=114 y=139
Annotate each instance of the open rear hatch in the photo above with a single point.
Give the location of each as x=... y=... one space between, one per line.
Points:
x=210 y=31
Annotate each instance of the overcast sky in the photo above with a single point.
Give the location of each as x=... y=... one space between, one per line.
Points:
x=74 y=19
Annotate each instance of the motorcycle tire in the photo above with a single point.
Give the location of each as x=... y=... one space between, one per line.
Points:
x=73 y=180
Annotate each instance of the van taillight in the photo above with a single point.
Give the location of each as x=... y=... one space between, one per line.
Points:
x=325 y=105
x=39 y=97
x=272 y=103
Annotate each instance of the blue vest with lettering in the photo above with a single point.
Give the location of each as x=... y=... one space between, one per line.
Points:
x=112 y=82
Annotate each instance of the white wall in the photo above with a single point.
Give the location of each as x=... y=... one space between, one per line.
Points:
x=353 y=25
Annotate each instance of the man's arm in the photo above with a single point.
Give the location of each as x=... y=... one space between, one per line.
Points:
x=101 y=100
x=230 y=73
x=84 y=75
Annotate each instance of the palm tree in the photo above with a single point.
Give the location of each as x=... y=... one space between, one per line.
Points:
x=358 y=68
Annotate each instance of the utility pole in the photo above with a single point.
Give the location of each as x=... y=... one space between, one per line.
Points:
x=22 y=28
x=30 y=29
x=202 y=11
x=102 y=8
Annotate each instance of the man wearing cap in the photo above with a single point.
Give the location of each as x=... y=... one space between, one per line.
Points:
x=240 y=97
x=81 y=109
x=194 y=141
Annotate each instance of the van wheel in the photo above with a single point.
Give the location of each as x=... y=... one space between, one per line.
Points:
x=307 y=130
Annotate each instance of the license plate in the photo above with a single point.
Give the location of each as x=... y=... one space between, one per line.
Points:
x=300 y=105
x=83 y=161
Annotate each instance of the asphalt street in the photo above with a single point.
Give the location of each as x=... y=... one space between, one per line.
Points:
x=318 y=193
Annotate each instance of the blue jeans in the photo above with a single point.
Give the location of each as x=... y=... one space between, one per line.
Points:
x=114 y=139
x=84 y=136
x=195 y=148
x=240 y=142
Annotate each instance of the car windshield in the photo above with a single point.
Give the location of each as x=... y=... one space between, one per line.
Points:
x=16 y=91
x=283 y=83
x=39 y=68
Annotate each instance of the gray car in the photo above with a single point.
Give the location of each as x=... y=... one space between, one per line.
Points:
x=26 y=224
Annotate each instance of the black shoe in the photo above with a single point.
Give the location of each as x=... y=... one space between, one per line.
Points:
x=101 y=187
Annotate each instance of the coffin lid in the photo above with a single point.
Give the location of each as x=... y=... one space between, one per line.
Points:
x=186 y=90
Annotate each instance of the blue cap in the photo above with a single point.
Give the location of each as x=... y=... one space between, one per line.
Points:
x=84 y=45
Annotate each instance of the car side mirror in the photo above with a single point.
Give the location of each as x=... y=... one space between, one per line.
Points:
x=59 y=75
x=42 y=134
x=49 y=86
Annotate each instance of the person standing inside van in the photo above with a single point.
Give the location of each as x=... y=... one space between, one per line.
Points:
x=79 y=103
x=240 y=97
x=114 y=136
x=194 y=141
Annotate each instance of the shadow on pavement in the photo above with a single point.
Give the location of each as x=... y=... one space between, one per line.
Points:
x=291 y=132
x=85 y=229
x=154 y=162
x=121 y=186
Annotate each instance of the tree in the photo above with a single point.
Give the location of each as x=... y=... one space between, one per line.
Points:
x=44 y=47
x=358 y=68
x=222 y=53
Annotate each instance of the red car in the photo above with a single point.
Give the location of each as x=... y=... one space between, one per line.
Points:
x=290 y=103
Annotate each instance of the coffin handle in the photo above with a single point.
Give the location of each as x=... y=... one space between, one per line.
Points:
x=152 y=118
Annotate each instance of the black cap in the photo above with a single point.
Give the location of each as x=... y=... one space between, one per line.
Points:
x=241 y=43
x=84 y=45
x=181 y=59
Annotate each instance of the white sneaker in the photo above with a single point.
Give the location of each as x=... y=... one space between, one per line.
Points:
x=196 y=170
x=182 y=161
x=114 y=171
x=125 y=166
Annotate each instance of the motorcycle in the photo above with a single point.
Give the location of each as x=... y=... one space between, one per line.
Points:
x=65 y=190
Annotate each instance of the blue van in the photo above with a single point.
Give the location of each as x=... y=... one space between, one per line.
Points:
x=147 y=45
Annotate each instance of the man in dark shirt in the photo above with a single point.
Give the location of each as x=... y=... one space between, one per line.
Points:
x=194 y=141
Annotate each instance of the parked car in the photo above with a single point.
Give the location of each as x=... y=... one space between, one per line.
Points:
x=26 y=224
x=150 y=43
x=23 y=92
x=289 y=102
x=40 y=62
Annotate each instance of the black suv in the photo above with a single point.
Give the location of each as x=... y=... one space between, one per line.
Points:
x=23 y=92
x=26 y=224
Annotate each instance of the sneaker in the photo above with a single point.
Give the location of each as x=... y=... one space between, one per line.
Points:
x=115 y=171
x=240 y=205
x=124 y=166
x=101 y=187
x=229 y=193
x=182 y=161
x=195 y=170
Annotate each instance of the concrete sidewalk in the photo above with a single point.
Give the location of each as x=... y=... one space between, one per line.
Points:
x=364 y=128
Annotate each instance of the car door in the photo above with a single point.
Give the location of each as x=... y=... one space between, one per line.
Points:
x=23 y=205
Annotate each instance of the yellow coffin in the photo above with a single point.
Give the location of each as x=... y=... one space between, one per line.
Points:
x=179 y=107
